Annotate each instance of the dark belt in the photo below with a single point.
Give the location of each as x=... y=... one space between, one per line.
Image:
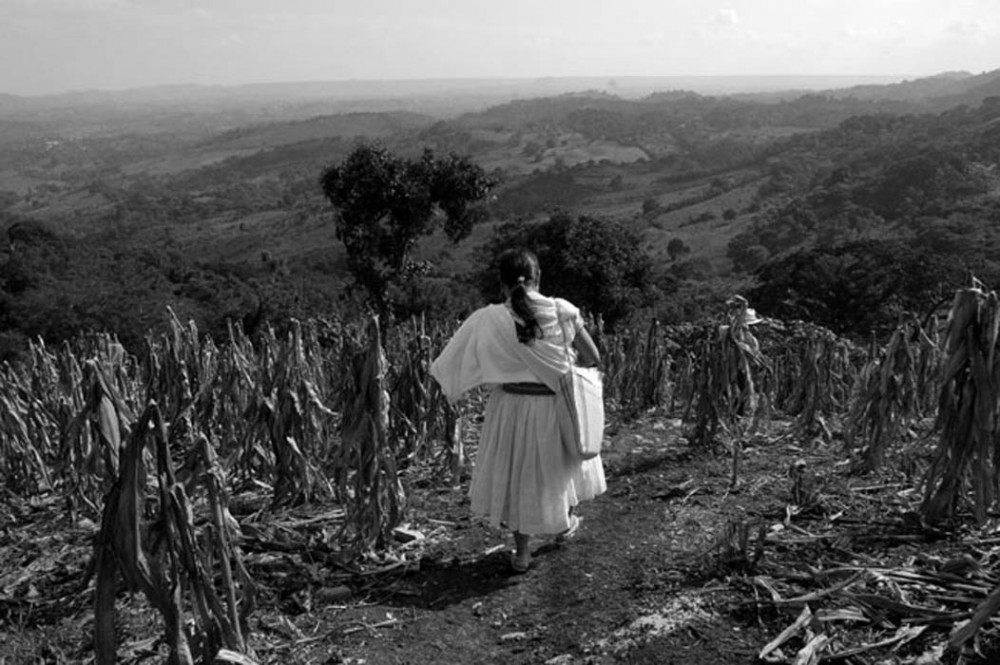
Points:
x=525 y=388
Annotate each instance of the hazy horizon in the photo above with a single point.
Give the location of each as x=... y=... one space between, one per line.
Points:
x=620 y=84
x=54 y=46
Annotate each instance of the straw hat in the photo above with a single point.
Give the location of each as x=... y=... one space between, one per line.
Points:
x=750 y=317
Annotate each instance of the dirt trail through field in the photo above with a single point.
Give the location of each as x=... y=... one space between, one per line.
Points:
x=672 y=565
x=629 y=588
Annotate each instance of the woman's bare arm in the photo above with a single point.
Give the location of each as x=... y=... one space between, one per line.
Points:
x=586 y=350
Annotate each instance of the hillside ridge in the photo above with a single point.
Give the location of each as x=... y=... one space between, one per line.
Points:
x=221 y=216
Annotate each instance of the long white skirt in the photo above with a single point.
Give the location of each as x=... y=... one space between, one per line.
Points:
x=523 y=476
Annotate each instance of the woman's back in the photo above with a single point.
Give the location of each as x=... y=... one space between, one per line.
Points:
x=558 y=318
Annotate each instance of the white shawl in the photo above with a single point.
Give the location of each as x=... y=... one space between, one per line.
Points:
x=485 y=350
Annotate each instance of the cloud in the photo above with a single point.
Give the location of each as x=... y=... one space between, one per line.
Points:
x=29 y=8
x=654 y=38
x=966 y=28
x=867 y=35
x=725 y=17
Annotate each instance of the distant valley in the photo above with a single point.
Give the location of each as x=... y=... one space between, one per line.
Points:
x=117 y=205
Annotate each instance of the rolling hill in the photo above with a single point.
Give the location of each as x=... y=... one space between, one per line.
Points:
x=215 y=206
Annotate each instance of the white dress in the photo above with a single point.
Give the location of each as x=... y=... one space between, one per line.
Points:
x=523 y=475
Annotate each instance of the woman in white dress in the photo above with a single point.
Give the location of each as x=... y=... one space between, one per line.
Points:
x=524 y=477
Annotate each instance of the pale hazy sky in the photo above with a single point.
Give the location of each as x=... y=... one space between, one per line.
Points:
x=58 y=45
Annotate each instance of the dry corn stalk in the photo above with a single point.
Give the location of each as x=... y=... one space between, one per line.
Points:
x=298 y=421
x=638 y=369
x=726 y=394
x=816 y=375
x=411 y=415
x=454 y=445
x=889 y=394
x=89 y=449
x=26 y=449
x=370 y=455
x=173 y=562
x=236 y=420
x=61 y=418
x=965 y=465
x=740 y=545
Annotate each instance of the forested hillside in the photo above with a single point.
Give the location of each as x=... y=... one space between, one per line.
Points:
x=848 y=207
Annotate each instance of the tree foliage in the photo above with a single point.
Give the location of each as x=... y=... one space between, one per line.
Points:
x=597 y=264
x=925 y=183
x=857 y=288
x=54 y=288
x=385 y=203
x=677 y=248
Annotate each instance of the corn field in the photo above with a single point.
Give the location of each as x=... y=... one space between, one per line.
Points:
x=155 y=447
x=282 y=412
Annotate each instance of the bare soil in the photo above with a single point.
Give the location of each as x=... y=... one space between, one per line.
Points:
x=672 y=565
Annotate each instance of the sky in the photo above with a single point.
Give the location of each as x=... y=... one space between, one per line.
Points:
x=49 y=46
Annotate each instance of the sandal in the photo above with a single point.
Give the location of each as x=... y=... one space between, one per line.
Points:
x=520 y=563
x=568 y=534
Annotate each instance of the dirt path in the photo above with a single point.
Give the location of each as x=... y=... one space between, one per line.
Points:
x=631 y=587
x=659 y=573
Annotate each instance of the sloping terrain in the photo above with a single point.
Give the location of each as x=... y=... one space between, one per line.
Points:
x=675 y=564
x=717 y=187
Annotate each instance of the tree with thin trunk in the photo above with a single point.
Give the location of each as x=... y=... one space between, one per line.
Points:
x=677 y=248
x=385 y=203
